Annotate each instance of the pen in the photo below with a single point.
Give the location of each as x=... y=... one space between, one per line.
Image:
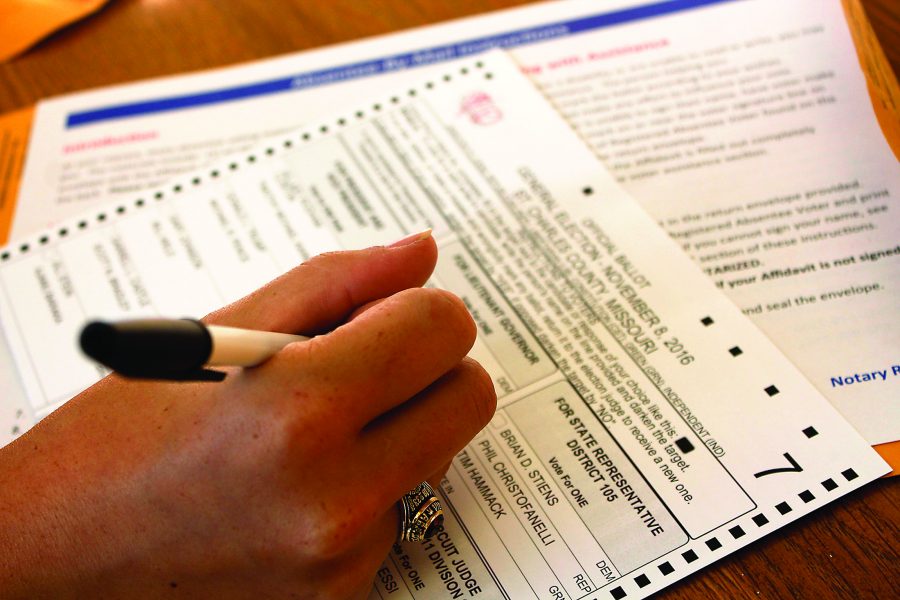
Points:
x=178 y=349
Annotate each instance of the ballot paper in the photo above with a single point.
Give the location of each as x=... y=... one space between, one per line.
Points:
x=742 y=127
x=644 y=428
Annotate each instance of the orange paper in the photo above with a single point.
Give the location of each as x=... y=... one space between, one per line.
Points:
x=890 y=452
x=14 y=130
x=881 y=80
x=24 y=22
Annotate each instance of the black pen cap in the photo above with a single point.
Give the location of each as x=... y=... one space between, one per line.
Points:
x=149 y=348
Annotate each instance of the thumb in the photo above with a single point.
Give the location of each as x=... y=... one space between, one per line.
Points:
x=323 y=291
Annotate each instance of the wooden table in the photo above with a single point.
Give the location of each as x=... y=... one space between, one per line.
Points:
x=847 y=549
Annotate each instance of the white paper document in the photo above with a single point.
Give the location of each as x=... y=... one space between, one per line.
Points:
x=645 y=427
x=742 y=127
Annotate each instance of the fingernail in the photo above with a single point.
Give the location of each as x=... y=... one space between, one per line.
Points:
x=411 y=239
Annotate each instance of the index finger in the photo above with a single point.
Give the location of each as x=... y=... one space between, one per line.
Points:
x=323 y=291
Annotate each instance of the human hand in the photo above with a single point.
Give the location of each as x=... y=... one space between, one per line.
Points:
x=280 y=481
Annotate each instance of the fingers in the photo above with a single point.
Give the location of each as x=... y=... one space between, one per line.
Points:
x=384 y=356
x=423 y=435
x=375 y=543
x=321 y=292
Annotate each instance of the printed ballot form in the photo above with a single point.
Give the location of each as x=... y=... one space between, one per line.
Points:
x=645 y=427
x=742 y=127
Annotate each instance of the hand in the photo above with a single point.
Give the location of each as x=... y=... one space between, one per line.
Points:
x=280 y=481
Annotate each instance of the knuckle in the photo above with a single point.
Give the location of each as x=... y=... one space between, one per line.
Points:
x=340 y=529
x=479 y=391
x=312 y=364
x=449 y=312
x=305 y=354
x=308 y=397
x=323 y=269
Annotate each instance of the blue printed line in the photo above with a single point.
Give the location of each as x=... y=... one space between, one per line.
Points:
x=386 y=64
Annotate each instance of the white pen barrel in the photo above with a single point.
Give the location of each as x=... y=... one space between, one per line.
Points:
x=245 y=348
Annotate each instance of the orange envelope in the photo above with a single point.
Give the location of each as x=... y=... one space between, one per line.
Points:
x=24 y=22
x=15 y=128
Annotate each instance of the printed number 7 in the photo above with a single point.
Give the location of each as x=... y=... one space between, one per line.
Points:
x=794 y=468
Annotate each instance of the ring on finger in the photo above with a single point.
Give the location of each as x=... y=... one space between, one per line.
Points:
x=421 y=514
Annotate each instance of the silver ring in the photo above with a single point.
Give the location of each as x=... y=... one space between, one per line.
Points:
x=421 y=514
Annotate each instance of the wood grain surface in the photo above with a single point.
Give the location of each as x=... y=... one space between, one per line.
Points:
x=846 y=550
